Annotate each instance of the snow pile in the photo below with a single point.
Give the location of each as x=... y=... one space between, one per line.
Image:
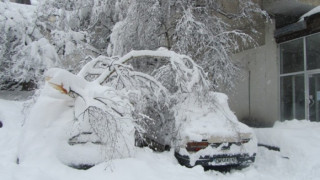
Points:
x=299 y=145
x=313 y=11
x=45 y=127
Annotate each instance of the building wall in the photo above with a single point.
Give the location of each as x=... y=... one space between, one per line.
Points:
x=255 y=100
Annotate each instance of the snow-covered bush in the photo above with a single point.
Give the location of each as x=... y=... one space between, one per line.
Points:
x=17 y=34
x=31 y=43
x=53 y=34
x=65 y=24
x=33 y=60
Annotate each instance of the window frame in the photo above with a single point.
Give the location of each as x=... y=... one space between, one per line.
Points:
x=306 y=73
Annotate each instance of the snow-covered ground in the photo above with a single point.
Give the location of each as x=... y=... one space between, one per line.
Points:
x=298 y=159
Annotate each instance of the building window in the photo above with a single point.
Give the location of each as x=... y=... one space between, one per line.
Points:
x=292 y=56
x=300 y=78
x=313 y=52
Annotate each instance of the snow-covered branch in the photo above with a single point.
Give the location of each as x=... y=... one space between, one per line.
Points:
x=198 y=29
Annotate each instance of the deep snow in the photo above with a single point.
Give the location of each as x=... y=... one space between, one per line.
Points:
x=298 y=158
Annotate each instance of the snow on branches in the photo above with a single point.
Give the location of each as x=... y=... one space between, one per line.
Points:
x=108 y=92
x=202 y=29
x=188 y=75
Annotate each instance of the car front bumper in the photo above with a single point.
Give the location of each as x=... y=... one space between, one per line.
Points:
x=218 y=160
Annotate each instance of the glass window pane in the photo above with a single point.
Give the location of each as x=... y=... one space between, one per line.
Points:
x=291 y=56
x=292 y=97
x=313 y=52
x=314 y=97
x=286 y=98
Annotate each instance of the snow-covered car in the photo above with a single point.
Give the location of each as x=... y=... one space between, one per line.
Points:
x=79 y=123
x=211 y=136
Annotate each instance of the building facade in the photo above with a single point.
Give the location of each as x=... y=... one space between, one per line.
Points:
x=281 y=77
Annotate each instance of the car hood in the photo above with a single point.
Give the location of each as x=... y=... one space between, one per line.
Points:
x=215 y=124
x=215 y=127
